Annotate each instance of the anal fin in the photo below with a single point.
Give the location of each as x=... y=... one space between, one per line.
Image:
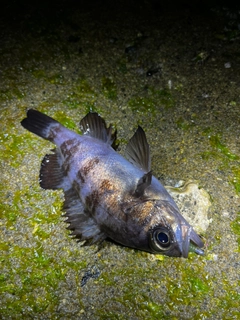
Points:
x=80 y=222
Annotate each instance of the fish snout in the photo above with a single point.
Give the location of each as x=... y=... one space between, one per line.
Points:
x=191 y=242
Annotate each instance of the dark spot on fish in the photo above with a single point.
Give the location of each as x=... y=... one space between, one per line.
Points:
x=80 y=176
x=54 y=131
x=92 y=200
x=105 y=191
x=68 y=148
x=76 y=186
x=106 y=186
x=66 y=167
x=89 y=166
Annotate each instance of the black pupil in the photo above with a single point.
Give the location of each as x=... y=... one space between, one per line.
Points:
x=162 y=237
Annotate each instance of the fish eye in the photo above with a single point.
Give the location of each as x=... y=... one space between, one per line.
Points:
x=160 y=240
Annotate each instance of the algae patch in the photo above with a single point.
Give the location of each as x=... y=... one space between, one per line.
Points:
x=236 y=178
x=32 y=272
x=66 y=121
x=55 y=78
x=38 y=277
x=152 y=101
x=226 y=159
x=184 y=124
x=216 y=143
x=235 y=225
x=109 y=88
x=81 y=94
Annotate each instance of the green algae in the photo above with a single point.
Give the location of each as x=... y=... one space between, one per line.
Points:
x=38 y=288
x=228 y=300
x=218 y=148
x=12 y=93
x=14 y=146
x=184 y=124
x=131 y=294
x=142 y=306
x=186 y=286
x=189 y=287
x=235 y=181
x=122 y=65
x=41 y=272
x=37 y=272
x=65 y=120
x=217 y=144
x=225 y=158
x=164 y=98
x=152 y=102
x=142 y=105
x=82 y=95
x=38 y=276
x=109 y=88
x=47 y=273
x=235 y=225
x=39 y=74
x=12 y=208
x=56 y=78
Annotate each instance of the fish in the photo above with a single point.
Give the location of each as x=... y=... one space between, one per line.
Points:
x=107 y=195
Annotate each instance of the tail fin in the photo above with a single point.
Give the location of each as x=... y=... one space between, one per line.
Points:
x=39 y=123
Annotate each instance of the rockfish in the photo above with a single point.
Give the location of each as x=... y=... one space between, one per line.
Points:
x=107 y=195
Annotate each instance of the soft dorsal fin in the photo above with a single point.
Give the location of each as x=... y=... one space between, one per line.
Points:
x=137 y=150
x=143 y=183
x=95 y=126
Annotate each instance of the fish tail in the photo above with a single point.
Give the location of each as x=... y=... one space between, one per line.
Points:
x=39 y=123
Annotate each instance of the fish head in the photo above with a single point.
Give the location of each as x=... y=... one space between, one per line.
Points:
x=170 y=234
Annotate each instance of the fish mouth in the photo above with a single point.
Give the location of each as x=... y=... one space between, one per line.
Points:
x=191 y=242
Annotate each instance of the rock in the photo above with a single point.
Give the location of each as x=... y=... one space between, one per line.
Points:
x=193 y=203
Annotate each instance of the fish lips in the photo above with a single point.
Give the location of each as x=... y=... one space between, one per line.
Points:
x=191 y=242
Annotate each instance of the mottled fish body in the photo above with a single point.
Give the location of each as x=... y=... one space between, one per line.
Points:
x=107 y=195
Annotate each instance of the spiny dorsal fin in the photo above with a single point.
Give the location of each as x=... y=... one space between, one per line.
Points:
x=143 y=183
x=137 y=150
x=95 y=126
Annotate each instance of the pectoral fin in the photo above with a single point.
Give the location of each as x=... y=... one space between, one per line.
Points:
x=52 y=175
x=80 y=222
